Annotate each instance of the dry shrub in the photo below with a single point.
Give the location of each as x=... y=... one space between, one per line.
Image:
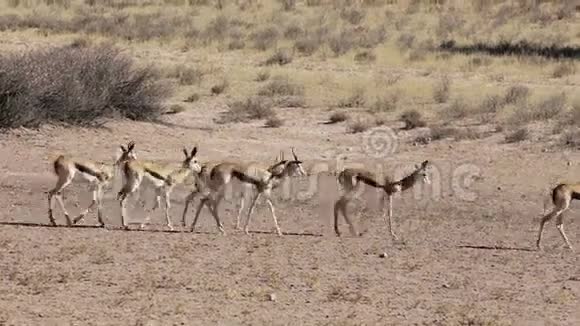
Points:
x=491 y=104
x=342 y=42
x=193 y=98
x=236 y=44
x=405 y=41
x=571 y=138
x=280 y=57
x=288 y=5
x=337 y=117
x=353 y=15
x=217 y=29
x=365 y=57
x=265 y=38
x=441 y=132
x=359 y=125
x=458 y=109
x=516 y=94
x=540 y=111
x=220 y=87
x=253 y=108
x=575 y=113
x=274 y=122
x=281 y=86
x=76 y=85
x=185 y=75
x=564 y=69
x=314 y=3
x=175 y=108
x=294 y=101
x=355 y=100
x=386 y=103
x=306 y=45
x=441 y=90
x=293 y=31
x=517 y=136
x=263 y=76
x=412 y=119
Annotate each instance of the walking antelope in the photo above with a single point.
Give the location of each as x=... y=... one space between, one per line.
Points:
x=562 y=195
x=161 y=178
x=98 y=175
x=352 y=179
x=263 y=180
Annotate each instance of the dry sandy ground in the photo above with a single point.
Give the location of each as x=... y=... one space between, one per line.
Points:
x=460 y=259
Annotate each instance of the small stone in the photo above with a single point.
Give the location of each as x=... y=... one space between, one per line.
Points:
x=569 y=163
x=272 y=297
x=383 y=255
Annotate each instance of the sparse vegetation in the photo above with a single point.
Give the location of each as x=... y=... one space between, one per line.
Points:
x=441 y=90
x=253 y=108
x=281 y=86
x=359 y=125
x=220 y=87
x=517 y=136
x=412 y=119
x=356 y=99
x=337 y=117
x=274 y=122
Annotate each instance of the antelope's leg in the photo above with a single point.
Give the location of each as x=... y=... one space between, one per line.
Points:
x=63 y=181
x=556 y=212
x=560 y=226
x=94 y=190
x=167 y=197
x=268 y=198
x=256 y=197
x=389 y=222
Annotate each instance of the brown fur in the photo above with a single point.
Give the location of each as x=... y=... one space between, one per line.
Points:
x=562 y=195
x=261 y=178
x=352 y=180
x=98 y=174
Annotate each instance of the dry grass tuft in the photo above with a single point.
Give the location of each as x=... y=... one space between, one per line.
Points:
x=281 y=86
x=564 y=69
x=441 y=90
x=253 y=108
x=517 y=136
x=356 y=100
x=337 y=117
x=280 y=57
x=220 y=87
x=274 y=122
x=412 y=119
x=359 y=125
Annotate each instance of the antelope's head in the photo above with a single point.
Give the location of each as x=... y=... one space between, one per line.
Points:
x=421 y=171
x=294 y=167
x=127 y=154
x=191 y=162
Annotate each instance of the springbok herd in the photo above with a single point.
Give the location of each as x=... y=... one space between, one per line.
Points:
x=212 y=177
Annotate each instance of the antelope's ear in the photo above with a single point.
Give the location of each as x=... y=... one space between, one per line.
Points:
x=417 y=166
x=194 y=151
x=185 y=153
x=131 y=146
x=123 y=149
x=424 y=164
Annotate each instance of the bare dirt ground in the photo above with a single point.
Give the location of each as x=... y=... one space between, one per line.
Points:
x=432 y=275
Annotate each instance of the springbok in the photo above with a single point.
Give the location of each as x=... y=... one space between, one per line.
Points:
x=562 y=195
x=352 y=179
x=161 y=177
x=263 y=180
x=98 y=174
